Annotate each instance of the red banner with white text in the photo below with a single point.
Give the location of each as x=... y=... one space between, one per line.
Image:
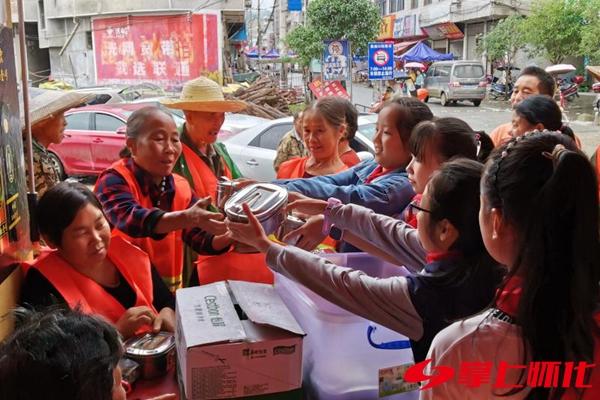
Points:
x=166 y=50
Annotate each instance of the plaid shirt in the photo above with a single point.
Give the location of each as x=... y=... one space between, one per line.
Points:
x=125 y=213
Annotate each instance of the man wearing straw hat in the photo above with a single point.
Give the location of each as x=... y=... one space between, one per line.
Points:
x=47 y=116
x=202 y=162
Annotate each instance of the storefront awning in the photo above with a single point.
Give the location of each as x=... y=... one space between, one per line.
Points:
x=445 y=30
x=401 y=47
x=240 y=35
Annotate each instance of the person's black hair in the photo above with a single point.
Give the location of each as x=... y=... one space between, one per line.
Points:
x=542 y=109
x=449 y=137
x=547 y=190
x=136 y=123
x=59 y=354
x=546 y=84
x=453 y=193
x=58 y=207
x=411 y=111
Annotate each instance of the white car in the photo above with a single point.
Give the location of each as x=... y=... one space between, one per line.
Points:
x=254 y=149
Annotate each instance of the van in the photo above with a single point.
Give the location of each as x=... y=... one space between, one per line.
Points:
x=453 y=81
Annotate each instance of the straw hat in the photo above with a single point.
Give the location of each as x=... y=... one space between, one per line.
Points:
x=203 y=94
x=52 y=102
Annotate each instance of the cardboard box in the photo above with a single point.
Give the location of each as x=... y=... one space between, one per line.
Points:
x=10 y=287
x=222 y=356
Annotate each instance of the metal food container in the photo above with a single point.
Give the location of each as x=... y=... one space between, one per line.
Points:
x=225 y=189
x=154 y=352
x=266 y=201
x=291 y=223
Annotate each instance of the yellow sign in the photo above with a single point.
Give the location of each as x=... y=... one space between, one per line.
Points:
x=387 y=27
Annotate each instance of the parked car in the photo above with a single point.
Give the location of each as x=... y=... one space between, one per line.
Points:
x=254 y=149
x=453 y=81
x=95 y=135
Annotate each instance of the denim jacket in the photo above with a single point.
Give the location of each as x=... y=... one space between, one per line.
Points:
x=388 y=194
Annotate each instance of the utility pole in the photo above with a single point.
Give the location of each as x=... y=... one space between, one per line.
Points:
x=259 y=39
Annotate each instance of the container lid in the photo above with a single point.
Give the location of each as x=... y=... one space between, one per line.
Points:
x=264 y=199
x=150 y=344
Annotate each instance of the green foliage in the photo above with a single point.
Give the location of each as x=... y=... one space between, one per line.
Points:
x=554 y=28
x=304 y=41
x=356 y=20
x=503 y=42
x=590 y=33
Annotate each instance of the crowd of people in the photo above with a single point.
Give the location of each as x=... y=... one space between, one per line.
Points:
x=499 y=233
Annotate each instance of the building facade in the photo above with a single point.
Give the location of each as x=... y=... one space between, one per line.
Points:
x=70 y=32
x=449 y=25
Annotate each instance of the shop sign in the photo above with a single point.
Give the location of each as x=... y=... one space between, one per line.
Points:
x=387 y=27
x=166 y=50
x=336 y=56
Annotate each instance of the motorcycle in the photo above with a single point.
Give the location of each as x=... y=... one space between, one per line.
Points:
x=569 y=88
x=499 y=90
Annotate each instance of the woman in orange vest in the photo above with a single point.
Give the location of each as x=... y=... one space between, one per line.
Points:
x=324 y=125
x=90 y=270
x=152 y=207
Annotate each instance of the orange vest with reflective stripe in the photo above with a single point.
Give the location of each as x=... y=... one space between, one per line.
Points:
x=205 y=181
x=165 y=254
x=81 y=291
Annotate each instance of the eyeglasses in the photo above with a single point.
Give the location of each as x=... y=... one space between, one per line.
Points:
x=414 y=206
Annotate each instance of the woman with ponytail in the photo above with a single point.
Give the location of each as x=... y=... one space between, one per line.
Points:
x=539 y=217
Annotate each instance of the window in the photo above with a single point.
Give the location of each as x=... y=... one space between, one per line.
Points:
x=443 y=70
x=382 y=7
x=468 y=71
x=109 y=123
x=78 y=121
x=89 y=40
x=414 y=3
x=368 y=130
x=271 y=137
x=396 y=5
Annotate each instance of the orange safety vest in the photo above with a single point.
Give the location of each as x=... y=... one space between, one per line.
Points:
x=165 y=254
x=204 y=180
x=81 y=291
x=296 y=168
x=231 y=265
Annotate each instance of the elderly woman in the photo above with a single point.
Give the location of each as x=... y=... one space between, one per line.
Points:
x=89 y=270
x=152 y=207
x=47 y=127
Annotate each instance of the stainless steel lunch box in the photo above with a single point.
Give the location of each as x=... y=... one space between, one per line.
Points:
x=154 y=352
x=266 y=201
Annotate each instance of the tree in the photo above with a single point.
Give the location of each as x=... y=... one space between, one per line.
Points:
x=504 y=41
x=356 y=20
x=590 y=33
x=554 y=28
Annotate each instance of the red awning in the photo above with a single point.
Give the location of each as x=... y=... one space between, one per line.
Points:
x=401 y=47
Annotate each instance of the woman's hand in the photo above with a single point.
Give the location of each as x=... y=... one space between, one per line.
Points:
x=309 y=235
x=241 y=183
x=307 y=206
x=133 y=319
x=222 y=241
x=208 y=221
x=295 y=196
x=165 y=321
x=251 y=233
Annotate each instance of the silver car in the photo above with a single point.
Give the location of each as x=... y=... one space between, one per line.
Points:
x=453 y=81
x=254 y=149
